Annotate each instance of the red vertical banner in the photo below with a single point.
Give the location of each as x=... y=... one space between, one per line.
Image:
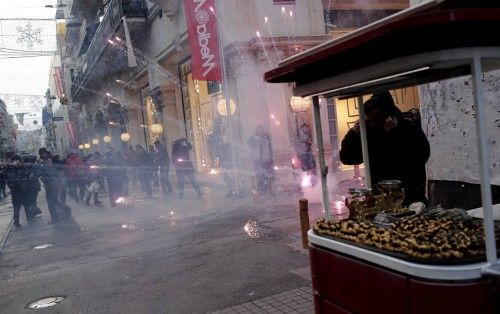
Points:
x=203 y=40
x=70 y=126
x=58 y=82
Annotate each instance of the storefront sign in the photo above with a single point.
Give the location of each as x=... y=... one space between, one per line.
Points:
x=58 y=81
x=70 y=126
x=203 y=39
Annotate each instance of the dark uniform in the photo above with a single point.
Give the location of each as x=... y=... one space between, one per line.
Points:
x=16 y=176
x=114 y=177
x=162 y=161
x=48 y=174
x=183 y=166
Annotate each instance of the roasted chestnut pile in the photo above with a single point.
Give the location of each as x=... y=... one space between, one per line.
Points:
x=439 y=238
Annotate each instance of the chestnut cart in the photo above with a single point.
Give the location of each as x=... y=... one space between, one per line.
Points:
x=433 y=41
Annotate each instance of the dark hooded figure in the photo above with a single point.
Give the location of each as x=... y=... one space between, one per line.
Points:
x=162 y=162
x=3 y=183
x=145 y=169
x=16 y=180
x=50 y=178
x=262 y=150
x=183 y=166
x=397 y=149
x=114 y=176
x=32 y=184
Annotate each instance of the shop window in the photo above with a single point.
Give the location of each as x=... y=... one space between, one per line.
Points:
x=332 y=123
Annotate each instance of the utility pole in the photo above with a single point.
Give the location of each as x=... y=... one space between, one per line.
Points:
x=51 y=134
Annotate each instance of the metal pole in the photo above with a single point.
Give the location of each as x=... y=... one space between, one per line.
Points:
x=364 y=142
x=141 y=95
x=322 y=164
x=484 y=161
x=226 y=92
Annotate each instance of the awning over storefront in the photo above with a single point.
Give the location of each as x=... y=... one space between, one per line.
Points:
x=426 y=43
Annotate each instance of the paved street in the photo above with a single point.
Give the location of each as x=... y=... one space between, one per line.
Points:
x=162 y=256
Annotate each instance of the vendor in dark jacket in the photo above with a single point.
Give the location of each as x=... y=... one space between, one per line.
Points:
x=398 y=150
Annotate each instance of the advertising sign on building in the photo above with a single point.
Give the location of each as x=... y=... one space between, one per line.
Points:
x=58 y=80
x=70 y=126
x=203 y=40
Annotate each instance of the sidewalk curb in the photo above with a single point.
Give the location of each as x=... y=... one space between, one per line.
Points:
x=6 y=235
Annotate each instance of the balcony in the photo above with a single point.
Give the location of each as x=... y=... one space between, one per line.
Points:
x=75 y=7
x=99 y=59
x=87 y=32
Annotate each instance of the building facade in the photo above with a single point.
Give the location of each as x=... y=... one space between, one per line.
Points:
x=8 y=130
x=59 y=128
x=127 y=66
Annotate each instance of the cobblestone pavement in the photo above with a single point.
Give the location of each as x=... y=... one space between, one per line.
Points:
x=293 y=301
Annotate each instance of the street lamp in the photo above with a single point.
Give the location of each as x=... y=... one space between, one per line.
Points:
x=95 y=141
x=300 y=104
x=87 y=146
x=107 y=139
x=156 y=128
x=125 y=137
x=222 y=108
x=80 y=146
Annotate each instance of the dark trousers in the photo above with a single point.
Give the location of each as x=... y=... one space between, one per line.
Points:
x=2 y=189
x=264 y=177
x=146 y=186
x=31 y=197
x=145 y=176
x=76 y=189
x=18 y=200
x=82 y=188
x=166 y=187
x=228 y=176
x=63 y=192
x=125 y=184
x=89 y=196
x=54 y=205
x=182 y=175
x=115 y=190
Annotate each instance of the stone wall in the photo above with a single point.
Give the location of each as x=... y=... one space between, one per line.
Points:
x=448 y=120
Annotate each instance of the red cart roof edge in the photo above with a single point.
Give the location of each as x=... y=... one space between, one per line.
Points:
x=433 y=12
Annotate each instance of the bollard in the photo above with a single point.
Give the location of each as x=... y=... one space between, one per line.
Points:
x=304 y=221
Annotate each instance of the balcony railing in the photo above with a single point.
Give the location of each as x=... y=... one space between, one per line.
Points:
x=108 y=26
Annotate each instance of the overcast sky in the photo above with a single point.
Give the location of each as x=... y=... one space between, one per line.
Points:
x=25 y=75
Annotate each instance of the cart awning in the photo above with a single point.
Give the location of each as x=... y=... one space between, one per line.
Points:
x=429 y=42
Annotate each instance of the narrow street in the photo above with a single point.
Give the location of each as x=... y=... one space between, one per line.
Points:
x=174 y=256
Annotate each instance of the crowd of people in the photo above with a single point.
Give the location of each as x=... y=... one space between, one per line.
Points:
x=394 y=142
x=84 y=177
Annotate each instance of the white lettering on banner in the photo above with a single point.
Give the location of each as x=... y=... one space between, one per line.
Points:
x=202 y=18
x=200 y=4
